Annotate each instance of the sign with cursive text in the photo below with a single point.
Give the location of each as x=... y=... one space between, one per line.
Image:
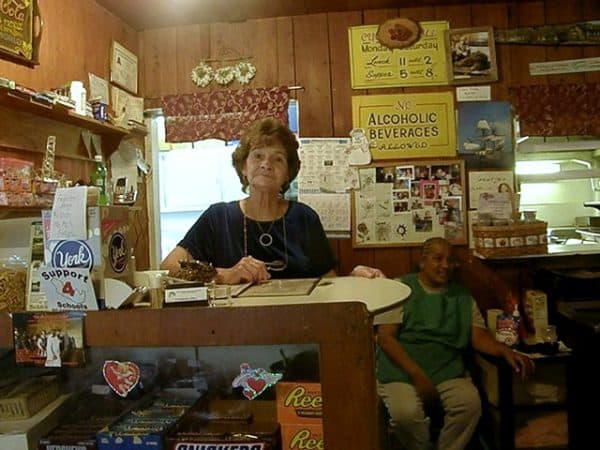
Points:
x=17 y=37
x=372 y=65
x=407 y=125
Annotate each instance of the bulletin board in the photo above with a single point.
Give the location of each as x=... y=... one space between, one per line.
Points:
x=403 y=203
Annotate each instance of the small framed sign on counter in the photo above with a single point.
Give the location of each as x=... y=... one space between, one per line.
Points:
x=123 y=68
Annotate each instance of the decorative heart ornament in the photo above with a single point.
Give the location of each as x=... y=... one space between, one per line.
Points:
x=254 y=381
x=122 y=377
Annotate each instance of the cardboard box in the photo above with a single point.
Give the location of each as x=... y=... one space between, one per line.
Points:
x=25 y=434
x=535 y=305
x=145 y=428
x=227 y=424
x=106 y=251
x=299 y=403
x=546 y=385
x=108 y=244
x=91 y=413
x=295 y=436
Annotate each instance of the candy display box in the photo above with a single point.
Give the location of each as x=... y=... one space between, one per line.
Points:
x=24 y=434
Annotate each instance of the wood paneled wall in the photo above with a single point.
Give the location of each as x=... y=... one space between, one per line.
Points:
x=76 y=40
x=312 y=51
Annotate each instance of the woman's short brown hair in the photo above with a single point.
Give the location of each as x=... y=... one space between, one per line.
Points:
x=263 y=133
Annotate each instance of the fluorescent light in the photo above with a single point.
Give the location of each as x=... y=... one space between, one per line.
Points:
x=536 y=167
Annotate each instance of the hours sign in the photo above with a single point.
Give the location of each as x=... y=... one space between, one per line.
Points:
x=372 y=65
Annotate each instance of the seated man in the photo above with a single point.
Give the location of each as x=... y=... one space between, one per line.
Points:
x=420 y=369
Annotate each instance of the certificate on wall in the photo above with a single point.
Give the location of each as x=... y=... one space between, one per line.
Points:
x=372 y=65
x=127 y=107
x=123 y=68
x=407 y=125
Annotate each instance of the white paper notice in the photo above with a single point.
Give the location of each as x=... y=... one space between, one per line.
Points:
x=473 y=93
x=68 y=214
x=333 y=209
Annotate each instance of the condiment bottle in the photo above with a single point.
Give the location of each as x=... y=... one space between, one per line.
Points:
x=98 y=179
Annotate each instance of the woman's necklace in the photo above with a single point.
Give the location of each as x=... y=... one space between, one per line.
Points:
x=277 y=265
x=265 y=237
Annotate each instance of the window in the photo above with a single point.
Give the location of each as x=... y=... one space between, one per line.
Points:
x=191 y=177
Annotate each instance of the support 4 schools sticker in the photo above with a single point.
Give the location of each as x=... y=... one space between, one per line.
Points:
x=68 y=288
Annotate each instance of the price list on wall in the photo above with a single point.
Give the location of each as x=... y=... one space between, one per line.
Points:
x=373 y=65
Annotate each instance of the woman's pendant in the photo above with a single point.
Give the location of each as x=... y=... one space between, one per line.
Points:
x=265 y=239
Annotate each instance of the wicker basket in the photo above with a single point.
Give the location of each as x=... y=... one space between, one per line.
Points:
x=25 y=398
x=511 y=240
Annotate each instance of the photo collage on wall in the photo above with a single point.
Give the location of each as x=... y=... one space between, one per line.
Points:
x=408 y=203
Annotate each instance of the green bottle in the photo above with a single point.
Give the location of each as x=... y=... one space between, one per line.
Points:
x=98 y=179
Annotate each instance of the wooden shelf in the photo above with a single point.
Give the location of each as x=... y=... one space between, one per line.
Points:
x=19 y=211
x=58 y=113
x=343 y=331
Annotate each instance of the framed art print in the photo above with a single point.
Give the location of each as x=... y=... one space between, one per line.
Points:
x=123 y=68
x=471 y=55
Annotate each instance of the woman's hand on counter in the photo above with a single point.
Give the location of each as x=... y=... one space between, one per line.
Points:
x=367 y=272
x=246 y=270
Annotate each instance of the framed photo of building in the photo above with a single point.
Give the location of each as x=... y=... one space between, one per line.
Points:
x=471 y=55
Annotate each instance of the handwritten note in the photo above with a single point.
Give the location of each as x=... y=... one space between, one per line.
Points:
x=68 y=220
x=488 y=181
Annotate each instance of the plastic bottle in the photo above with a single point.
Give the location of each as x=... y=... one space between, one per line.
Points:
x=98 y=179
x=507 y=327
x=79 y=97
x=516 y=315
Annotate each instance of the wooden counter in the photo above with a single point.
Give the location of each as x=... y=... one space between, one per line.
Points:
x=343 y=331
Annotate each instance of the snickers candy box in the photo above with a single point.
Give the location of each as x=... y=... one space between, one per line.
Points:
x=227 y=425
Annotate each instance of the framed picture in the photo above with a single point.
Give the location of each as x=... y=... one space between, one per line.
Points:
x=123 y=68
x=471 y=55
x=485 y=135
x=20 y=32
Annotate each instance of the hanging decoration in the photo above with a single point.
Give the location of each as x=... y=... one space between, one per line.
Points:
x=204 y=73
x=244 y=72
x=224 y=75
x=400 y=32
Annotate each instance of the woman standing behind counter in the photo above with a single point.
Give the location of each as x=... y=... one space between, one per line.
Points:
x=262 y=235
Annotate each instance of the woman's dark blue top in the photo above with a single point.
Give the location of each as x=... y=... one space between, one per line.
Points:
x=218 y=237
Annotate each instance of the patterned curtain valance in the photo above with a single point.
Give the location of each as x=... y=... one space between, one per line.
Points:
x=221 y=114
x=558 y=109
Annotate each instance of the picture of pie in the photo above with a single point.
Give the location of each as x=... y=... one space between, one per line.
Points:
x=400 y=32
